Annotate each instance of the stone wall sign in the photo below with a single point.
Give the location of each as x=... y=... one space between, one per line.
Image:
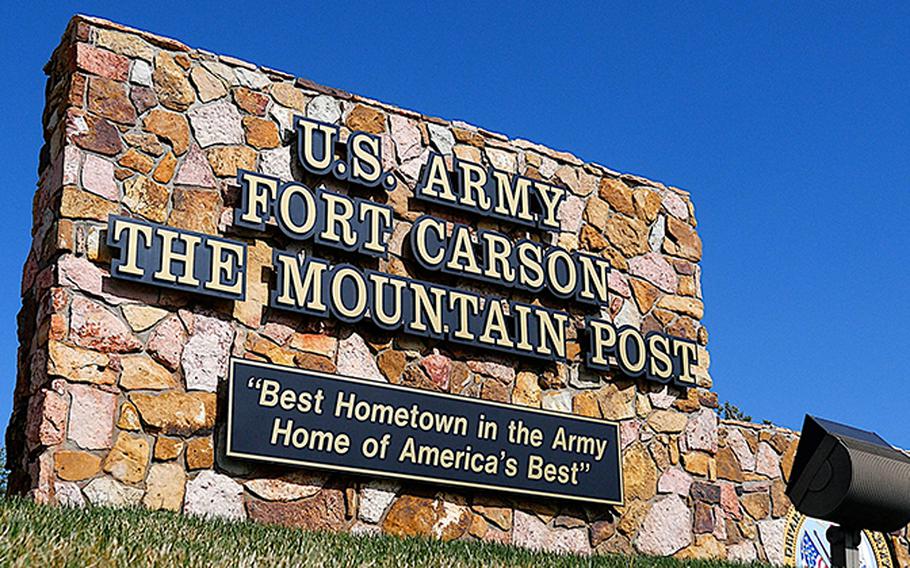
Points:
x=196 y=213
x=309 y=285
x=311 y=419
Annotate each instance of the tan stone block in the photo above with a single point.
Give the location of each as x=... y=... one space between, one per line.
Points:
x=165 y=170
x=642 y=405
x=134 y=160
x=289 y=96
x=631 y=516
x=616 y=258
x=420 y=516
x=647 y=204
x=673 y=448
x=478 y=526
x=661 y=454
x=691 y=403
x=261 y=132
x=527 y=390
x=170 y=126
x=313 y=362
x=663 y=316
x=786 y=460
x=366 y=119
x=147 y=198
x=706 y=547
x=177 y=413
x=128 y=459
x=493 y=390
x=645 y=294
x=696 y=463
x=226 y=160
x=391 y=364
x=616 y=404
x=499 y=516
x=142 y=317
x=78 y=204
x=639 y=473
x=758 y=505
x=249 y=311
x=165 y=487
x=627 y=234
x=683 y=305
x=171 y=85
x=597 y=213
x=467 y=153
x=686 y=286
x=269 y=350
x=167 y=449
x=140 y=372
x=682 y=240
x=129 y=417
x=476 y=139
x=617 y=194
x=780 y=503
x=669 y=421
x=590 y=239
x=586 y=403
x=728 y=466
x=901 y=551
x=196 y=210
x=65 y=235
x=78 y=364
x=124 y=43
x=207 y=85
x=144 y=141
x=200 y=454
x=75 y=465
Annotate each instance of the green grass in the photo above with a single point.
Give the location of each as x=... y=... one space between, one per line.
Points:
x=34 y=535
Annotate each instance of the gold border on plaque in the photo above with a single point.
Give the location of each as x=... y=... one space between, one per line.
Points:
x=795 y=521
x=229 y=452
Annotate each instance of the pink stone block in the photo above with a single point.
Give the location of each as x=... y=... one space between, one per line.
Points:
x=91 y=417
x=80 y=273
x=195 y=170
x=98 y=177
x=46 y=422
x=101 y=62
x=95 y=327
x=654 y=268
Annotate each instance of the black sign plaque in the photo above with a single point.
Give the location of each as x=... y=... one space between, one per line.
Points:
x=311 y=419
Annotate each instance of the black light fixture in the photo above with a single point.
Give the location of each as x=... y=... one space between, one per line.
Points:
x=852 y=478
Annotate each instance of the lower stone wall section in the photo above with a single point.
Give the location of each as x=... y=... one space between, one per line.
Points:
x=690 y=504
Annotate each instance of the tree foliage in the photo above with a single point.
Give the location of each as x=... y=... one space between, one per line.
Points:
x=730 y=411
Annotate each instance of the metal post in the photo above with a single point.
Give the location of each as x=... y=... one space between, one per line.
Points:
x=844 y=546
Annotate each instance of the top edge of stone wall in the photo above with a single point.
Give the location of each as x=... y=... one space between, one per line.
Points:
x=757 y=426
x=167 y=43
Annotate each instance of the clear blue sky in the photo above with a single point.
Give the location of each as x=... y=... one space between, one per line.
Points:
x=789 y=124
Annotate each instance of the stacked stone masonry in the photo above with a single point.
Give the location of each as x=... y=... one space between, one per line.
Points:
x=120 y=386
